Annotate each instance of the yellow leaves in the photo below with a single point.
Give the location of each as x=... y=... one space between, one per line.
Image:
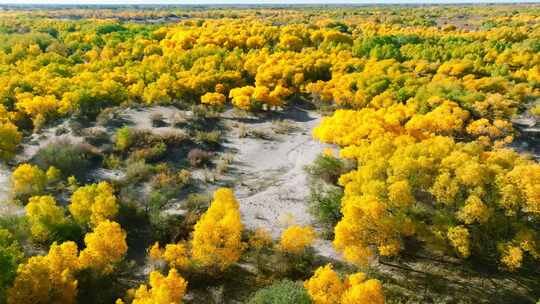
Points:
x=296 y=239
x=250 y=97
x=241 y=97
x=447 y=119
x=163 y=289
x=445 y=188
x=259 y=239
x=326 y=287
x=93 y=204
x=176 y=255
x=213 y=99
x=455 y=67
x=155 y=253
x=526 y=178
x=348 y=127
x=471 y=174
x=361 y=291
x=105 y=246
x=459 y=237
x=482 y=126
x=399 y=193
x=255 y=42
x=63 y=257
x=474 y=211
x=216 y=242
x=39 y=108
x=28 y=180
x=512 y=257
x=290 y=42
x=43 y=215
x=10 y=137
x=47 y=279
x=495 y=106
x=217 y=235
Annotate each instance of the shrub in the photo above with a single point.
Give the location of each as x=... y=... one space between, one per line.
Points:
x=93 y=204
x=96 y=136
x=211 y=138
x=43 y=213
x=174 y=138
x=282 y=292
x=283 y=126
x=137 y=171
x=124 y=138
x=10 y=138
x=198 y=157
x=28 y=180
x=157 y=120
x=213 y=99
x=70 y=159
x=177 y=119
x=325 y=204
x=295 y=239
x=197 y=202
x=326 y=167
x=11 y=255
x=150 y=154
x=217 y=236
x=171 y=182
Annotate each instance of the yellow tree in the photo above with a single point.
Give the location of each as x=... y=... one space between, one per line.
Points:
x=47 y=279
x=105 y=246
x=10 y=137
x=163 y=289
x=176 y=255
x=43 y=214
x=217 y=235
x=326 y=287
x=28 y=180
x=93 y=204
x=296 y=239
x=360 y=290
x=213 y=99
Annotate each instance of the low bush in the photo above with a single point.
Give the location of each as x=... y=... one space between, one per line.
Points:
x=327 y=168
x=282 y=292
x=174 y=138
x=157 y=120
x=70 y=159
x=198 y=158
x=210 y=138
x=197 y=203
x=325 y=204
x=283 y=126
x=150 y=154
x=137 y=171
x=96 y=136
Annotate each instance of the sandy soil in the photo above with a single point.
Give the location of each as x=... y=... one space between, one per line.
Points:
x=269 y=178
x=5 y=185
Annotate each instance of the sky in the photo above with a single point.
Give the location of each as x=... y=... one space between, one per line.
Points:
x=254 y=1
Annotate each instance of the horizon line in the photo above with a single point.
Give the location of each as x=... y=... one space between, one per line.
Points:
x=261 y=3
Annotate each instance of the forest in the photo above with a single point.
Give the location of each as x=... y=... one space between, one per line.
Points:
x=270 y=155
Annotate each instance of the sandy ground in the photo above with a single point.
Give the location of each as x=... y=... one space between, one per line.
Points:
x=270 y=182
x=6 y=207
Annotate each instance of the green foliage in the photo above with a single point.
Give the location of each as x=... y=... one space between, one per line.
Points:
x=282 y=292
x=325 y=204
x=71 y=159
x=326 y=168
x=124 y=138
x=10 y=256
